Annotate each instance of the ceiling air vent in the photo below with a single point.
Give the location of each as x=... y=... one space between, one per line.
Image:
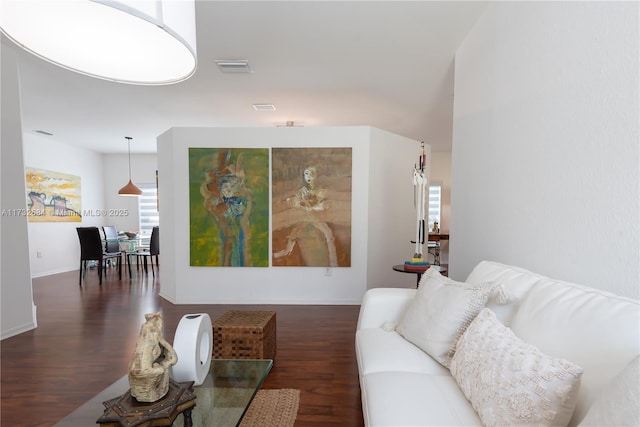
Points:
x=233 y=65
x=264 y=107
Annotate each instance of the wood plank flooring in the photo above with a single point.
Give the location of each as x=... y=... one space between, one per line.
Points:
x=86 y=336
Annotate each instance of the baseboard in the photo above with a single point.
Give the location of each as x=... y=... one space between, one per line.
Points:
x=166 y=297
x=279 y=301
x=49 y=273
x=22 y=328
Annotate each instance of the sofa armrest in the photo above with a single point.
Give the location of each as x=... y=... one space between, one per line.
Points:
x=382 y=305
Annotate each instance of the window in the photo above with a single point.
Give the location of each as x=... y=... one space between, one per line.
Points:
x=435 y=201
x=148 y=209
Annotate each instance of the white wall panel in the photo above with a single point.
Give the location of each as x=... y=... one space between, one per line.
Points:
x=18 y=309
x=545 y=156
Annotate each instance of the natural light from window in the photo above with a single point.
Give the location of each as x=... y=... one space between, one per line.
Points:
x=148 y=210
x=435 y=200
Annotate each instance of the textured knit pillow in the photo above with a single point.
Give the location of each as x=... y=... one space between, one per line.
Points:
x=510 y=382
x=440 y=312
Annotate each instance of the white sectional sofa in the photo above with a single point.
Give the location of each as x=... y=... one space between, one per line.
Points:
x=588 y=337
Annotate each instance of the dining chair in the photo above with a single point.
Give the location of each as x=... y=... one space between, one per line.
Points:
x=112 y=243
x=434 y=249
x=91 y=249
x=154 y=250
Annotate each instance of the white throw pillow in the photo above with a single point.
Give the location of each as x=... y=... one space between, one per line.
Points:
x=440 y=312
x=510 y=382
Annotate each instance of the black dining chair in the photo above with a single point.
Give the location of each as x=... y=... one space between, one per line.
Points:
x=154 y=250
x=91 y=249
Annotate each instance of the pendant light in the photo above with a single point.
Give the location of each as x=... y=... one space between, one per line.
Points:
x=130 y=189
x=150 y=42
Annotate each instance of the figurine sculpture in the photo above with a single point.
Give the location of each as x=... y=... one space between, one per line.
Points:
x=152 y=358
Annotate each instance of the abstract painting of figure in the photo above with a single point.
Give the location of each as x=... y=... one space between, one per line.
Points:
x=311 y=207
x=53 y=196
x=229 y=207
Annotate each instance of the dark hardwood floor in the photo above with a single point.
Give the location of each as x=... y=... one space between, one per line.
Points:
x=86 y=335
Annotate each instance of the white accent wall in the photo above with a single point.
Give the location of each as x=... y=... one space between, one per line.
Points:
x=546 y=143
x=382 y=219
x=16 y=295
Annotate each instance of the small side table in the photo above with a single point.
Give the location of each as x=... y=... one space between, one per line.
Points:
x=401 y=269
x=125 y=410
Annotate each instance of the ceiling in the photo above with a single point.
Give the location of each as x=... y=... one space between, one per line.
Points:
x=387 y=64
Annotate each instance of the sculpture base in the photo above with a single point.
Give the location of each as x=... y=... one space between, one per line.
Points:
x=125 y=410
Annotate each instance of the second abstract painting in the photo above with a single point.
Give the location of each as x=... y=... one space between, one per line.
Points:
x=311 y=207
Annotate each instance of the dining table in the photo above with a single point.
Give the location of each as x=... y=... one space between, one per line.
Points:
x=130 y=246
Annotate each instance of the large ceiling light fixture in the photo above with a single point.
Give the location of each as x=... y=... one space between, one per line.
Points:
x=150 y=42
x=130 y=189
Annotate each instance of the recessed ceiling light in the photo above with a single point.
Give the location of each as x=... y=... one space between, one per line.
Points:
x=289 y=124
x=264 y=107
x=233 y=65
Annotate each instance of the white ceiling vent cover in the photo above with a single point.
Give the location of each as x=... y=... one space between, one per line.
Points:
x=233 y=65
x=264 y=107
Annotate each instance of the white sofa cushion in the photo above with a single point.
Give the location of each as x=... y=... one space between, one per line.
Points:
x=440 y=312
x=379 y=350
x=515 y=281
x=383 y=306
x=413 y=399
x=619 y=403
x=510 y=382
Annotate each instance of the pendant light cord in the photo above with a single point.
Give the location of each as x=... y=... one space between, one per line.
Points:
x=129 y=144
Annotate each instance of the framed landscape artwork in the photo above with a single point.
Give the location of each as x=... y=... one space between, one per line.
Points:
x=52 y=196
x=229 y=207
x=311 y=207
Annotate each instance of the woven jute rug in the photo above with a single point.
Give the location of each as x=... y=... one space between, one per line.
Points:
x=273 y=408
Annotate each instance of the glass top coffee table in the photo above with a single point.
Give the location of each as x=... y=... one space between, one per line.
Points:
x=221 y=401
